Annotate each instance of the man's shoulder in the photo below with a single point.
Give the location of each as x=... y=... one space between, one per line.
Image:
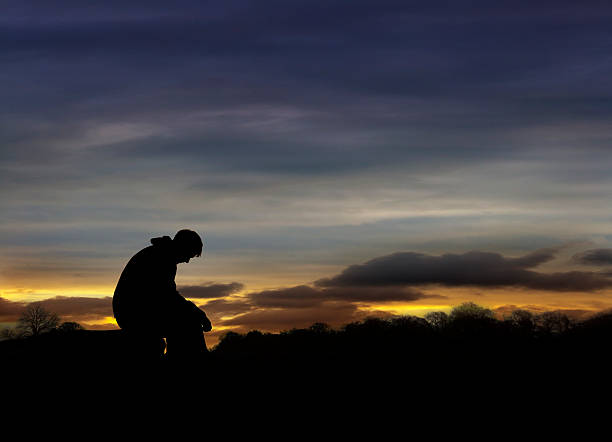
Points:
x=152 y=255
x=142 y=254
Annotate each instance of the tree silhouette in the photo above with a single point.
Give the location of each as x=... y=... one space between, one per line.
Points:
x=522 y=321
x=472 y=322
x=437 y=320
x=66 y=327
x=35 y=320
x=553 y=322
x=471 y=310
x=320 y=328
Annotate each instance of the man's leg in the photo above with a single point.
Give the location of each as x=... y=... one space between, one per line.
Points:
x=143 y=347
x=185 y=341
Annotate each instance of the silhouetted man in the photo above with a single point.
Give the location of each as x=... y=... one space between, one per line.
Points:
x=148 y=307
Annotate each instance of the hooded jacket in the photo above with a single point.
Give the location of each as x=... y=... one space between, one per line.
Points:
x=146 y=297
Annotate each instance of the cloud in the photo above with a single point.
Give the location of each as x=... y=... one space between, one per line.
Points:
x=10 y=310
x=353 y=294
x=254 y=121
x=480 y=269
x=68 y=308
x=536 y=258
x=308 y=297
x=304 y=296
x=303 y=305
x=79 y=308
x=334 y=314
x=210 y=290
x=218 y=308
x=392 y=279
x=596 y=257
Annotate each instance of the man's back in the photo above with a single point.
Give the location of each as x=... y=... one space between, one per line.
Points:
x=146 y=288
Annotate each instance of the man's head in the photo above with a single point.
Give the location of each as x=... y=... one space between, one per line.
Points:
x=187 y=244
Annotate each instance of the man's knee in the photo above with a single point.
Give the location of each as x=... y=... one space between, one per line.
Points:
x=187 y=340
x=143 y=346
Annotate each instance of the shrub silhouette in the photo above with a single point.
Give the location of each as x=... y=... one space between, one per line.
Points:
x=69 y=327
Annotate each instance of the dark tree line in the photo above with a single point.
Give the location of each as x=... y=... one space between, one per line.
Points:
x=469 y=341
x=467 y=322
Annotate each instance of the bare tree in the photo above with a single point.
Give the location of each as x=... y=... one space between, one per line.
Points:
x=36 y=320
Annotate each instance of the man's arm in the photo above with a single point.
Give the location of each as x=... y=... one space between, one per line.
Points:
x=180 y=305
x=201 y=317
x=188 y=308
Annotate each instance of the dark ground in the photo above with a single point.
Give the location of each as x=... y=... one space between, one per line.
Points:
x=476 y=379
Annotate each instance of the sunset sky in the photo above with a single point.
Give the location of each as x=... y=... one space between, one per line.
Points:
x=339 y=158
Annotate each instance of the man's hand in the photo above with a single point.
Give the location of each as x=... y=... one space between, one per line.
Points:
x=198 y=315
x=206 y=324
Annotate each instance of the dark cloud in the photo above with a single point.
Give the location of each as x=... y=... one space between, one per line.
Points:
x=308 y=299
x=210 y=290
x=481 y=269
x=10 y=310
x=68 y=308
x=304 y=296
x=79 y=308
x=301 y=306
x=534 y=259
x=597 y=257
x=226 y=307
x=275 y=319
x=301 y=55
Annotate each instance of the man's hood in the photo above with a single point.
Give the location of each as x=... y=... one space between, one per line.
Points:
x=163 y=241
